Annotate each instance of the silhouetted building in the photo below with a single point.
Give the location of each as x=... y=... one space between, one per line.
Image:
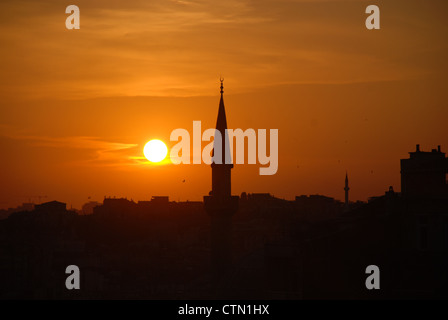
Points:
x=115 y=207
x=160 y=199
x=88 y=207
x=26 y=206
x=317 y=207
x=52 y=207
x=424 y=173
x=220 y=204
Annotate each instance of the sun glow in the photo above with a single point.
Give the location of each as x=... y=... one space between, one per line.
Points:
x=155 y=150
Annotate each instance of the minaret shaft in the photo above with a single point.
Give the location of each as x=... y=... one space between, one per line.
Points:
x=221 y=205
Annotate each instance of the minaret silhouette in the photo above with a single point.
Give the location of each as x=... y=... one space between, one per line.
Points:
x=346 y=192
x=221 y=205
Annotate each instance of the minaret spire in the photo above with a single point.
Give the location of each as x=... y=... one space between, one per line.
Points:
x=221 y=122
x=223 y=165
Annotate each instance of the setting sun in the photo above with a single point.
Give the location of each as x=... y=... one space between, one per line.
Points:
x=155 y=150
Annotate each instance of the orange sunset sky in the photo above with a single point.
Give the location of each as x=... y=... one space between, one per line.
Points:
x=77 y=106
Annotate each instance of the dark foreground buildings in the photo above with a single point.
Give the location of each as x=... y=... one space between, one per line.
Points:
x=254 y=246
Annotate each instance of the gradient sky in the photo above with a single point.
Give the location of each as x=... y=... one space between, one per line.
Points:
x=77 y=106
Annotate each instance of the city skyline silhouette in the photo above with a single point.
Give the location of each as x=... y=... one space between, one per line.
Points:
x=350 y=203
x=250 y=246
x=221 y=126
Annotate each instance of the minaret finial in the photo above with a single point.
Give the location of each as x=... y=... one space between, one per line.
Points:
x=222 y=85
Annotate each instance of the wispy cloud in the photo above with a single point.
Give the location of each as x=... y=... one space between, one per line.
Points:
x=98 y=151
x=161 y=48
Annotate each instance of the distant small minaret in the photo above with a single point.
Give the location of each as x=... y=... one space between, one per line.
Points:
x=346 y=191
